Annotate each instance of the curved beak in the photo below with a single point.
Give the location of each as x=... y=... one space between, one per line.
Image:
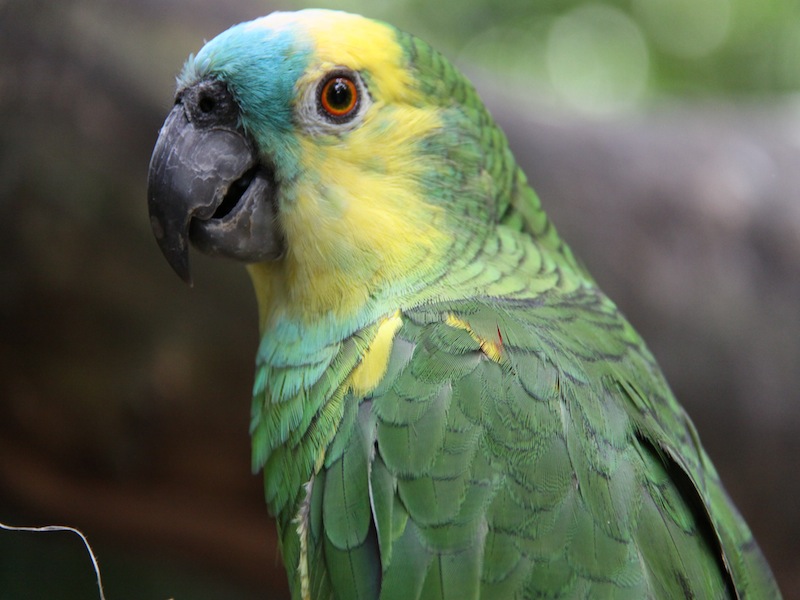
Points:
x=205 y=184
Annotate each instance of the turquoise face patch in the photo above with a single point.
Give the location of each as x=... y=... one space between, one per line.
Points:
x=260 y=66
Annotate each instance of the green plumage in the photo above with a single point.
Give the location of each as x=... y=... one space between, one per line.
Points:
x=564 y=470
x=522 y=442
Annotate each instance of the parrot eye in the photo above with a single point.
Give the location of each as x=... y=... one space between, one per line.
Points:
x=341 y=96
x=335 y=103
x=338 y=97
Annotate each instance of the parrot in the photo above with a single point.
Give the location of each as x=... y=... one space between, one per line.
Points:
x=445 y=404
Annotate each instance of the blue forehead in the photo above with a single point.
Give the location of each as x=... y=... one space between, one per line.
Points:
x=260 y=65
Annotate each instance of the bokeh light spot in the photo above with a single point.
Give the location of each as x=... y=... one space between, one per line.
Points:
x=597 y=59
x=686 y=28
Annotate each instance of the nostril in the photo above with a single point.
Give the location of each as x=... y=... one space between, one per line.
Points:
x=206 y=104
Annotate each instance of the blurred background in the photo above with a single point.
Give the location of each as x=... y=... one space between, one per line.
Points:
x=662 y=135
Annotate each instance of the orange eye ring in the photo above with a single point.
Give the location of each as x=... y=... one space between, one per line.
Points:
x=338 y=97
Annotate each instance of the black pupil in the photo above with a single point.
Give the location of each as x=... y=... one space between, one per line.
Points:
x=339 y=94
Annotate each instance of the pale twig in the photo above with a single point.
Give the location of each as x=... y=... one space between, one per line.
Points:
x=51 y=528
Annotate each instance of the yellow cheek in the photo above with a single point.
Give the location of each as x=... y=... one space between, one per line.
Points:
x=359 y=218
x=353 y=231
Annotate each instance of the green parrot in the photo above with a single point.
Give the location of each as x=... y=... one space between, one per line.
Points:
x=445 y=405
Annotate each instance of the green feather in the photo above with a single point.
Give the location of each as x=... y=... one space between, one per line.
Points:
x=346 y=508
x=411 y=449
x=408 y=570
x=382 y=495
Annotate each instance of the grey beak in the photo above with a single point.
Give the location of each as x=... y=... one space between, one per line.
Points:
x=205 y=184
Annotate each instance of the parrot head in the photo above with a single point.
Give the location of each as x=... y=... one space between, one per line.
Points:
x=342 y=160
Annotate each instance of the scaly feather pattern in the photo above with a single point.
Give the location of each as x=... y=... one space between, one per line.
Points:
x=556 y=465
x=561 y=469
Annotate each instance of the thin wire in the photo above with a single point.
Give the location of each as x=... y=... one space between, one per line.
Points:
x=51 y=528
